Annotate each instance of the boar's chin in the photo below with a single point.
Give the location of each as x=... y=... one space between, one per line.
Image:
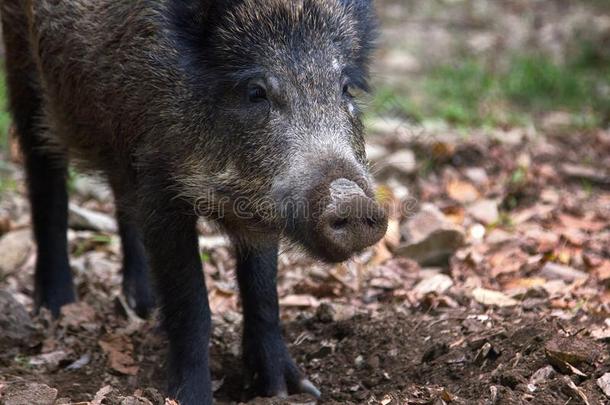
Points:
x=317 y=249
x=329 y=256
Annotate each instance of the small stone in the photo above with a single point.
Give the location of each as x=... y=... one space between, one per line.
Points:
x=431 y=238
x=375 y=152
x=434 y=250
x=540 y=376
x=554 y=271
x=402 y=162
x=28 y=394
x=15 y=247
x=15 y=323
x=477 y=175
x=477 y=232
x=48 y=360
x=567 y=353
x=592 y=174
x=92 y=187
x=427 y=220
x=485 y=211
x=603 y=383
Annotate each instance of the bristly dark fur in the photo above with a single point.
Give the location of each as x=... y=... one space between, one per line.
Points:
x=237 y=38
x=157 y=96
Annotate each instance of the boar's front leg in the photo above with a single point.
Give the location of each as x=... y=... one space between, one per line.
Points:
x=267 y=361
x=170 y=238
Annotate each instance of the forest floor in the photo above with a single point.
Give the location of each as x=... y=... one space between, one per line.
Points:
x=492 y=285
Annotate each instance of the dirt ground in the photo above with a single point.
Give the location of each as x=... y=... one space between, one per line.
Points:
x=517 y=315
x=492 y=285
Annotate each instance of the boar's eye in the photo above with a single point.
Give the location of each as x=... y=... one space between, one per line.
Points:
x=347 y=90
x=256 y=93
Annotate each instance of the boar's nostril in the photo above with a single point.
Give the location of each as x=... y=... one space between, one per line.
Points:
x=339 y=224
x=370 y=221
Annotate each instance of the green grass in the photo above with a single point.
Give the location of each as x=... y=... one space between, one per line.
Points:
x=5 y=119
x=6 y=182
x=471 y=94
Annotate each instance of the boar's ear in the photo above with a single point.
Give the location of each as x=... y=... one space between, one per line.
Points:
x=363 y=12
x=190 y=16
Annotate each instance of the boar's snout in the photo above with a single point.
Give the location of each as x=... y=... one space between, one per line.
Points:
x=350 y=222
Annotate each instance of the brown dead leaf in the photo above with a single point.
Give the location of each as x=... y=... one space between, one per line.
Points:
x=508 y=260
x=119 y=350
x=14 y=150
x=442 y=150
x=585 y=224
x=76 y=315
x=392 y=235
x=573 y=236
x=381 y=254
x=545 y=240
x=528 y=282
x=603 y=271
x=562 y=303
x=222 y=300
x=455 y=214
x=462 y=191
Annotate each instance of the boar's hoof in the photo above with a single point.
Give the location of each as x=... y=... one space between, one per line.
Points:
x=277 y=378
x=139 y=296
x=307 y=387
x=54 y=295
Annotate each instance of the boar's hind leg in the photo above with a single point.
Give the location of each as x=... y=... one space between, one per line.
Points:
x=170 y=239
x=46 y=171
x=267 y=361
x=136 y=284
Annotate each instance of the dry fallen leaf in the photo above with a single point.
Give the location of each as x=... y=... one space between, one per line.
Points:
x=508 y=260
x=299 y=300
x=119 y=350
x=528 y=282
x=76 y=315
x=222 y=300
x=572 y=222
x=462 y=191
x=603 y=271
x=100 y=395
